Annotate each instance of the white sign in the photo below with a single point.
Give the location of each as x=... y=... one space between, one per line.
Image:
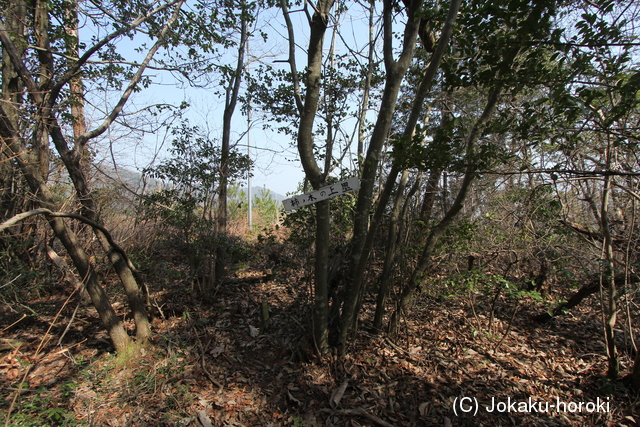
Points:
x=324 y=193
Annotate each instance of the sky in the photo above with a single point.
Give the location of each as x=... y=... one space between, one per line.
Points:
x=276 y=162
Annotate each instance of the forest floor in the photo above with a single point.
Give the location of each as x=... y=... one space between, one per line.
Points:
x=210 y=365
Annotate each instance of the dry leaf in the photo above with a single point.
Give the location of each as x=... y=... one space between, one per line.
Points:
x=253 y=331
x=293 y=398
x=204 y=419
x=423 y=408
x=336 y=396
x=217 y=351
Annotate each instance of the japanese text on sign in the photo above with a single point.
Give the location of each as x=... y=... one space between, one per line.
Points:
x=333 y=190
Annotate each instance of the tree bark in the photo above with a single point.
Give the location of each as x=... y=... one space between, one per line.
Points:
x=68 y=238
x=424 y=262
x=364 y=233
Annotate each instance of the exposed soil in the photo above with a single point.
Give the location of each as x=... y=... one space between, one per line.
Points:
x=211 y=365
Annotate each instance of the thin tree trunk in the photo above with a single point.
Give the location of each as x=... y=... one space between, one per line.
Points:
x=318 y=26
x=367 y=88
x=41 y=32
x=12 y=87
x=611 y=308
x=395 y=74
x=135 y=297
x=76 y=88
x=219 y=261
x=430 y=195
x=119 y=337
x=321 y=294
x=396 y=226
x=424 y=262
x=110 y=320
x=231 y=101
x=364 y=233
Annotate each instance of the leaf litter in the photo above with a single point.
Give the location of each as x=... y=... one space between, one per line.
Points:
x=209 y=366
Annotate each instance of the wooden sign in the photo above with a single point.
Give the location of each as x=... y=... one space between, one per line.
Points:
x=324 y=193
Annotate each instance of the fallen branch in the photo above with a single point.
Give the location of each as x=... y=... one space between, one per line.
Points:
x=43 y=211
x=508 y=329
x=583 y=230
x=249 y=279
x=585 y=291
x=359 y=412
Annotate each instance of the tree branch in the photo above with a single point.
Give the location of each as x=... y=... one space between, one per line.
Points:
x=133 y=83
x=93 y=49
x=292 y=56
x=49 y=213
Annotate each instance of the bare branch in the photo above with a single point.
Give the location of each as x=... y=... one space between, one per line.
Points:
x=133 y=83
x=47 y=212
x=93 y=49
x=292 y=56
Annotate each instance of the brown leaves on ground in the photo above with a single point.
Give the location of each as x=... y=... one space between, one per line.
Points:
x=211 y=366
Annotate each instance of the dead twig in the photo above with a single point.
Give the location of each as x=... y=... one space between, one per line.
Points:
x=203 y=363
x=73 y=316
x=508 y=328
x=358 y=412
x=36 y=355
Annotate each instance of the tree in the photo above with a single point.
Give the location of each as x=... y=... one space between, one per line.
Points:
x=589 y=113
x=188 y=198
x=49 y=72
x=318 y=26
x=232 y=93
x=364 y=236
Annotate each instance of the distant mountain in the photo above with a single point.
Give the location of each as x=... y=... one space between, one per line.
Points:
x=107 y=175
x=257 y=191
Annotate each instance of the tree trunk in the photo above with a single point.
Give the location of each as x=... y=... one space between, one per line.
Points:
x=135 y=297
x=424 y=262
x=318 y=26
x=364 y=107
x=610 y=307
x=12 y=87
x=77 y=163
x=110 y=320
x=321 y=294
x=364 y=234
x=232 y=93
x=119 y=337
x=219 y=260
x=395 y=74
x=430 y=195
x=396 y=227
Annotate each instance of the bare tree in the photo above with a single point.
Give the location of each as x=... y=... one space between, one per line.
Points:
x=44 y=87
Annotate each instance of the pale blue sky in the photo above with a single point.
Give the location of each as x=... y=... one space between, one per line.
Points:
x=276 y=161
